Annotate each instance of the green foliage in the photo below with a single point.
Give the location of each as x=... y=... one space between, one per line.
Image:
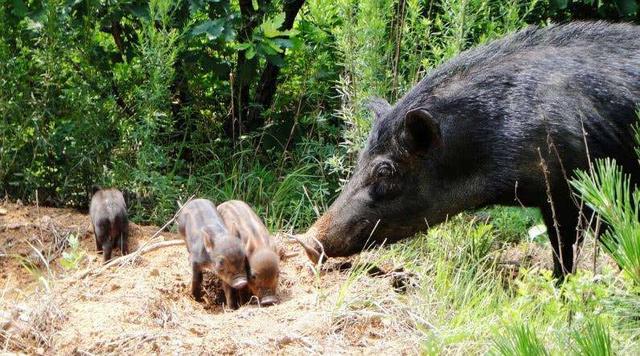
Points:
x=268 y=40
x=71 y=259
x=138 y=94
x=615 y=9
x=608 y=192
x=593 y=340
x=519 y=340
x=513 y=224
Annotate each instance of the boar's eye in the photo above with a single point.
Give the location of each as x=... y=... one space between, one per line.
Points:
x=384 y=170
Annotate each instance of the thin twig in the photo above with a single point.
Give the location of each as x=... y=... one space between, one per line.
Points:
x=545 y=172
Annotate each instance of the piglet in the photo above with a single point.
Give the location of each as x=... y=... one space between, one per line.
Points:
x=263 y=258
x=212 y=248
x=108 y=212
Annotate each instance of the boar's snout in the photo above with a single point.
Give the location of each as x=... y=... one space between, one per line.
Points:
x=311 y=246
x=329 y=237
x=239 y=282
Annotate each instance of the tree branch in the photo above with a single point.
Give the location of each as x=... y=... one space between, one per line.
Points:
x=269 y=79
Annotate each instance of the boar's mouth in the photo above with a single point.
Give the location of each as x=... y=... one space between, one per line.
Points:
x=318 y=245
x=312 y=247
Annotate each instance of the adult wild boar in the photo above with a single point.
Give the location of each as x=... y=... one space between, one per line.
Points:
x=504 y=123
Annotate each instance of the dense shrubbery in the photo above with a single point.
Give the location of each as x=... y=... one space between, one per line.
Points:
x=217 y=98
x=236 y=100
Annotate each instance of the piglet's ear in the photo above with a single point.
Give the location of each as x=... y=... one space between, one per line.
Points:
x=421 y=132
x=208 y=237
x=379 y=106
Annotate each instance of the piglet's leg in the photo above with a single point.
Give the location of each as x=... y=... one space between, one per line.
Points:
x=98 y=244
x=124 y=238
x=98 y=234
x=230 y=295
x=244 y=295
x=124 y=245
x=107 y=245
x=196 y=283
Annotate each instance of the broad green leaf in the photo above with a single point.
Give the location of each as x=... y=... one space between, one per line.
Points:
x=251 y=52
x=274 y=45
x=283 y=42
x=19 y=8
x=271 y=27
x=242 y=46
x=212 y=28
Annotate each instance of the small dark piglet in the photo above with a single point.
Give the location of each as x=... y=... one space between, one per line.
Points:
x=212 y=248
x=243 y=223
x=108 y=213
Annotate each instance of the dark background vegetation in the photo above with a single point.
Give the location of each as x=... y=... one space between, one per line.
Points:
x=257 y=100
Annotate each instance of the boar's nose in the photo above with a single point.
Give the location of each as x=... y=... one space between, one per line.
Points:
x=239 y=282
x=269 y=300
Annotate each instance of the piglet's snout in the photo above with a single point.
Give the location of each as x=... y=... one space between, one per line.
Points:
x=239 y=282
x=269 y=300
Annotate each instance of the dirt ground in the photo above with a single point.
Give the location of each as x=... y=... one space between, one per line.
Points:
x=146 y=307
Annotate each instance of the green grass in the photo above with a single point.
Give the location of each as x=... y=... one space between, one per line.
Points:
x=593 y=340
x=464 y=303
x=519 y=340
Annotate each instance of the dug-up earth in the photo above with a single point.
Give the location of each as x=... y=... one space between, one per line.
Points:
x=145 y=306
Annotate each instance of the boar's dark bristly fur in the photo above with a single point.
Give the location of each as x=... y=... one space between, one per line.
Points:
x=505 y=123
x=108 y=213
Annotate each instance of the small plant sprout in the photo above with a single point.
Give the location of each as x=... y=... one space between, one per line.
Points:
x=71 y=259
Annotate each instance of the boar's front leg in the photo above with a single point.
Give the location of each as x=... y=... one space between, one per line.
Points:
x=231 y=296
x=196 y=282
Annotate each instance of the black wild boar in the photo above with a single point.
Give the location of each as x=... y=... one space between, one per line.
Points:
x=212 y=248
x=262 y=254
x=108 y=213
x=504 y=123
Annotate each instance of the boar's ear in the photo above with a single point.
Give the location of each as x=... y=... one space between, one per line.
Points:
x=420 y=132
x=379 y=106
